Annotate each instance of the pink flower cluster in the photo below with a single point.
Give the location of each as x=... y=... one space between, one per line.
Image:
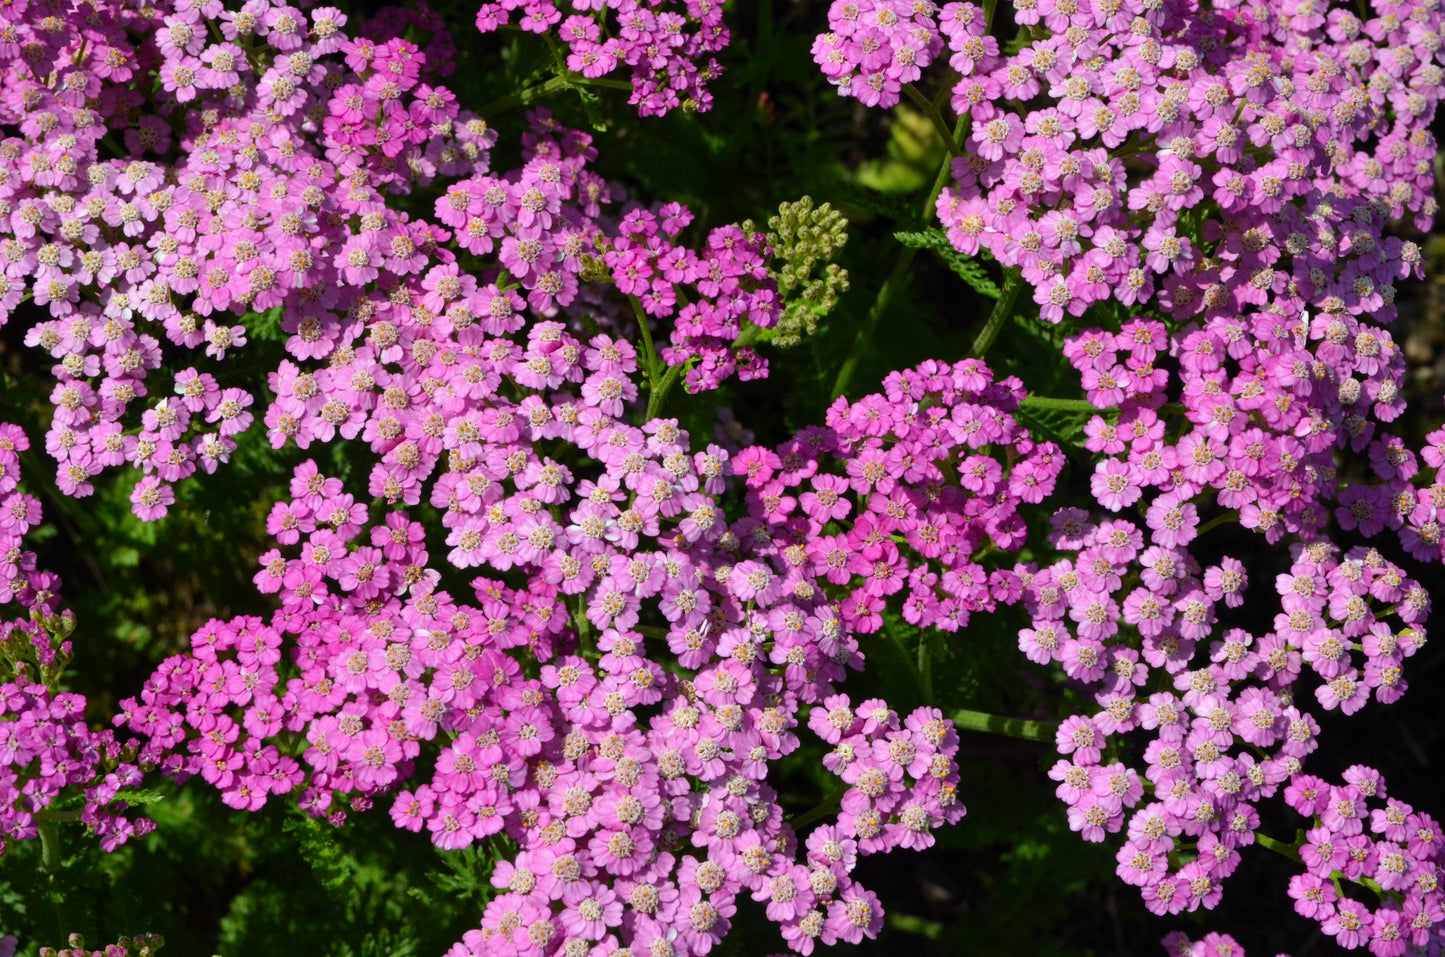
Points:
x=277 y=142
x=732 y=286
x=1264 y=408
x=274 y=141
x=601 y=763
x=664 y=43
x=895 y=774
x=1264 y=404
x=47 y=751
x=873 y=47
x=19 y=513
x=1126 y=614
x=653 y=619
x=558 y=762
x=447 y=371
x=46 y=748
x=1362 y=835
x=933 y=470
x=1178 y=944
x=1095 y=146
x=142 y=945
x=1304 y=132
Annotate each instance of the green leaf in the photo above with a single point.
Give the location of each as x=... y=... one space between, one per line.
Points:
x=319 y=848
x=924 y=239
x=967 y=268
x=468 y=871
x=972 y=272
x=1065 y=429
x=265 y=326
x=1051 y=335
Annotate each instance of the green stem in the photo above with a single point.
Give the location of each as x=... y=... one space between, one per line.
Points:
x=918 y=926
x=822 y=809
x=925 y=669
x=600 y=82
x=664 y=386
x=1230 y=516
x=929 y=110
x=59 y=817
x=1002 y=310
x=1282 y=848
x=661 y=383
x=752 y=105
x=919 y=676
x=1043 y=402
x=1291 y=851
x=880 y=305
x=49 y=845
x=967 y=720
x=566 y=81
x=649 y=353
x=584 y=628
x=1379 y=891
x=748 y=336
x=899 y=274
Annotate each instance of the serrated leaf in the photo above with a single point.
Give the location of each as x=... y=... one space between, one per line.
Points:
x=925 y=239
x=1047 y=332
x=972 y=272
x=265 y=326
x=468 y=871
x=1064 y=429
x=967 y=268
x=590 y=103
x=316 y=842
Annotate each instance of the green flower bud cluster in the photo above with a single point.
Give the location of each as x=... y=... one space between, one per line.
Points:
x=805 y=239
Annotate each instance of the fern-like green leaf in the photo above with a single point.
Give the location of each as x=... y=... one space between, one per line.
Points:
x=317 y=844
x=264 y=326
x=925 y=239
x=1064 y=429
x=972 y=272
x=967 y=268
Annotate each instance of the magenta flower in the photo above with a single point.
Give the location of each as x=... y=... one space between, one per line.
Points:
x=151 y=498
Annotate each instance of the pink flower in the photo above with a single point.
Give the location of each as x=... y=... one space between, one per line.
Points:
x=1350 y=924
x=151 y=498
x=1079 y=736
x=1114 y=485
x=855 y=914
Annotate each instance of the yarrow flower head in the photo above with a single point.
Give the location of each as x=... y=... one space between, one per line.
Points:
x=539 y=706
x=1092 y=145
x=1132 y=609
x=47 y=749
x=667 y=46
